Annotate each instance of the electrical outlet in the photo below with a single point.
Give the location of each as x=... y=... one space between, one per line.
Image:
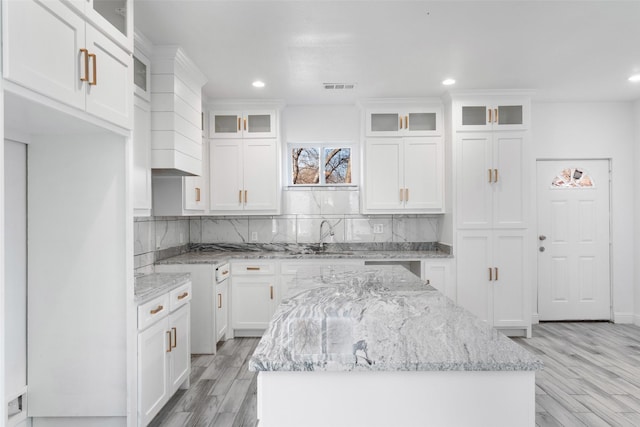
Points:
x=254 y=236
x=378 y=228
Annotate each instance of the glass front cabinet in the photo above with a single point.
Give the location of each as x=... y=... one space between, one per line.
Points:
x=419 y=121
x=501 y=114
x=242 y=124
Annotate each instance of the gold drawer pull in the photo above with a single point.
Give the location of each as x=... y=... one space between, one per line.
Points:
x=219 y=300
x=496 y=175
x=239 y=125
x=245 y=124
x=169 y=349
x=183 y=296
x=496 y=272
x=94 y=81
x=175 y=337
x=400 y=122
x=406 y=122
x=490 y=175
x=197 y=194
x=253 y=268
x=495 y=118
x=402 y=194
x=490 y=115
x=271 y=291
x=156 y=310
x=490 y=274
x=86 y=65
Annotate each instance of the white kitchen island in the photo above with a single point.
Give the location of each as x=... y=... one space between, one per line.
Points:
x=374 y=346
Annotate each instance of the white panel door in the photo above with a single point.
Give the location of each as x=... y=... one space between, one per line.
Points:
x=153 y=381
x=474 y=191
x=222 y=309
x=225 y=160
x=508 y=180
x=41 y=49
x=180 y=347
x=142 y=155
x=474 y=260
x=110 y=77
x=383 y=174
x=510 y=306
x=252 y=302
x=261 y=172
x=423 y=173
x=573 y=240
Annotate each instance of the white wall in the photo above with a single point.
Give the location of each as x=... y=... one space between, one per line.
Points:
x=597 y=130
x=320 y=123
x=636 y=115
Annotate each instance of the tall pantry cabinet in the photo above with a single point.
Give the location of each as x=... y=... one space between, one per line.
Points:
x=490 y=135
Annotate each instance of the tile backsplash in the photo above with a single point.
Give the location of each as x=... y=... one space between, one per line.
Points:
x=303 y=212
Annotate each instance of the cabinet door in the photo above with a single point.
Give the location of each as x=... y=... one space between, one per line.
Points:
x=383 y=123
x=110 y=77
x=225 y=124
x=509 y=201
x=225 y=161
x=422 y=122
x=259 y=124
x=436 y=274
x=510 y=306
x=222 y=309
x=474 y=116
x=253 y=301
x=383 y=175
x=180 y=355
x=473 y=253
x=423 y=174
x=261 y=172
x=474 y=173
x=153 y=382
x=42 y=42
x=141 y=157
x=194 y=193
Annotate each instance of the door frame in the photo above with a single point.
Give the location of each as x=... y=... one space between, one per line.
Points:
x=535 y=315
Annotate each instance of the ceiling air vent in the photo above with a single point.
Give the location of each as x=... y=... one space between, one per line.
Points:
x=339 y=86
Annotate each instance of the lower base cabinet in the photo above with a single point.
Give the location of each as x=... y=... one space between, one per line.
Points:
x=164 y=354
x=222 y=309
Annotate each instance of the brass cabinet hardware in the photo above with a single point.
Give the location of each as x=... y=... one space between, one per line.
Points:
x=253 y=268
x=400 y=118
x=183 y=296
x=239 y=124
x=240 y=196
x=219 y=300
x=490 y=115
x=94 y=81
x=496 y=175
x=490 y=274
x=175 y=337
x=169 y=349
x=202 y=120
x=197 y=194
x=271 y=291
x=490 y=176
x=402 y=194
x=496 y=268
x=245 y=197
x=406 y=122
x=406 y=194
x=156 y=310
x=495 y=116
x=86 y=65
x=225 y=272
x=245 y=124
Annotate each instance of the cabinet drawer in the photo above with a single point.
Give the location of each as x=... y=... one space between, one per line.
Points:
x=253 y=268
x=152 y=311
x=180 y=296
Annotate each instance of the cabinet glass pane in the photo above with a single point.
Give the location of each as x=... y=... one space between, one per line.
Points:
x=422 y=121
x=114 y=11
x=474 y=116
x=384 y=122
x=226 y=124
x=259 y=123
x=139 y=74
x=510 y=114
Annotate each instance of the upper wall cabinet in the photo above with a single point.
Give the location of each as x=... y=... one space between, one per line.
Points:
x=398 y=121
x=492 y=114
x=113 y=17
x=243 y=124
x=51 y=50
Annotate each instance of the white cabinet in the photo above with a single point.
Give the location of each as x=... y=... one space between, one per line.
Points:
x=242 y=124
x=114 y=18
x=245 y=176
x=399 y=121
x=490 y=180
x=404 y=175
x=492 y=284
x=222 y=309
x=437 y=273
x=253 y=295
x=141 y=157
x=164 y=354
x=71 y=62
x=492 y=114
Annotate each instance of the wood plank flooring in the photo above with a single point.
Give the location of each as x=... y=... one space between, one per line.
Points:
x=591 y=378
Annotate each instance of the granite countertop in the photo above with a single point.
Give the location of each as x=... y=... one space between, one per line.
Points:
x=152 y=285
x=219 y=253
x=379 y=318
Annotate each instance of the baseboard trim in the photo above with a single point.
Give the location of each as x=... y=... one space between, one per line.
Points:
x=625 y=318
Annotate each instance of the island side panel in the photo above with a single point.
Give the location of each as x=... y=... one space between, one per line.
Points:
x=382 y=399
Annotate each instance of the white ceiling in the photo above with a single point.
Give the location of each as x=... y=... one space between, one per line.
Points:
x=564 y=50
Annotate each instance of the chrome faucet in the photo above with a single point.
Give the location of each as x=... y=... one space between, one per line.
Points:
x=331 y=233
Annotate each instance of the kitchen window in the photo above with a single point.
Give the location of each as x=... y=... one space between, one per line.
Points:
x=320 y=164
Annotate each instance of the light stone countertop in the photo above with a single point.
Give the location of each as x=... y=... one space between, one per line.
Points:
x=152 y=285
x=379 y=318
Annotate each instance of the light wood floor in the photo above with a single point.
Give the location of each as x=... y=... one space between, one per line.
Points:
x=591 y=378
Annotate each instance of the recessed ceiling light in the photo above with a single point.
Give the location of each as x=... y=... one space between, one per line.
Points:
x=448 y=82
x=258 y=83
x=635 y=78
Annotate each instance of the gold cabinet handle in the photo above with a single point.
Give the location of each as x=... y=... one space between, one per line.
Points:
x=245 y=197
x=197 y=194
x=490 y=175
x=157 y=310
x=406 y=194
x=406 y=122
x=253 y=268
x=490 y=274
x=183 y=296
x=85 y=53
x=490 y=115
x=402 y=194
x=496 y=175
x=175 y=337
x=202 y=120
x=400 y=118
x=245 y=124
x=495 y=116
x=496 y=268
x=239 y=124
x=271 y=291
x=240 y=196
x=169 y=349
x=219 y=300
x=94 y=81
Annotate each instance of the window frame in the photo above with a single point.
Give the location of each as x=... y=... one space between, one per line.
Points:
x=322 y=146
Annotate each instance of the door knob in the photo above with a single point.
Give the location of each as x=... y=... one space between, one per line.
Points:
x=542 y=237
x=541 y=249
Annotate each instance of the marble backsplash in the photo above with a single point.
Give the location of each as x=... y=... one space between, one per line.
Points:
x=304 y=210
